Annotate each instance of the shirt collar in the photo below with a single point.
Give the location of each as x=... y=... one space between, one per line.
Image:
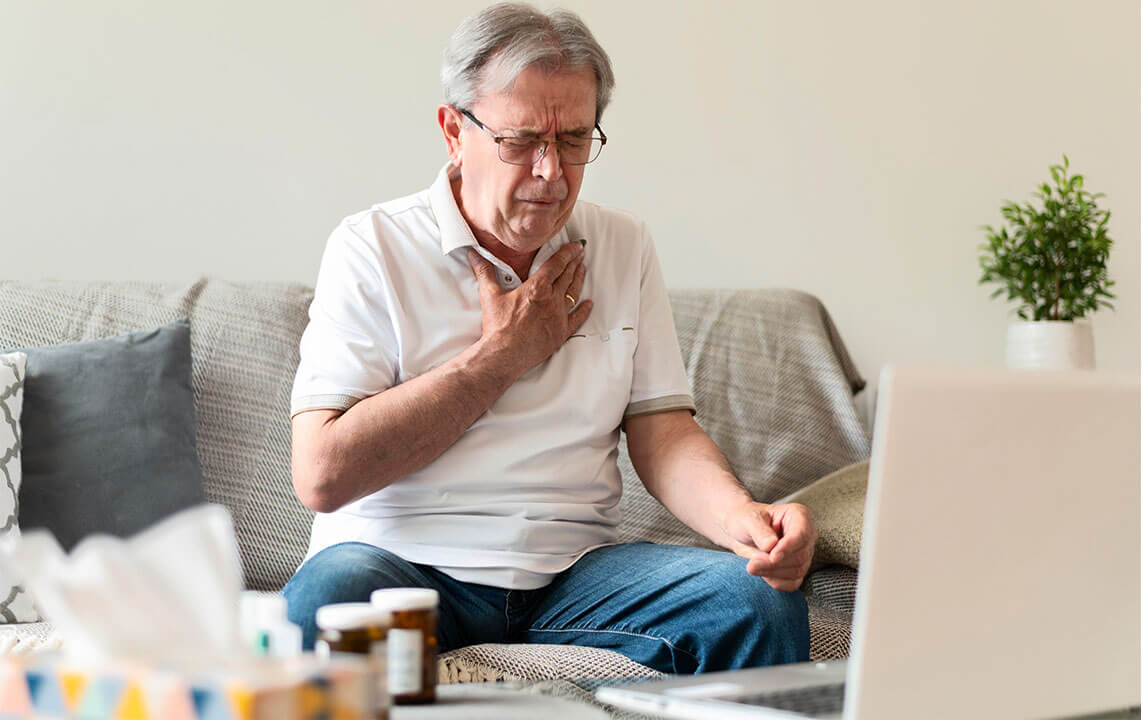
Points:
x=454 y=230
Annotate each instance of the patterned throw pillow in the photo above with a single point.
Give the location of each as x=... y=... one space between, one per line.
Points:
x=15 y=603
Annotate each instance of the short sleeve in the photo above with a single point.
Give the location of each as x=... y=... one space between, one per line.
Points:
x=659 y=381
x=349 y=349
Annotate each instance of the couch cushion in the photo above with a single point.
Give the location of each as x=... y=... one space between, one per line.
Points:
x=244 y=341
x=832 y=587
x=492 y=662
x=774 y=387
x=837 y=503
x=109 y=434
x=15 y=603
x=830 y=633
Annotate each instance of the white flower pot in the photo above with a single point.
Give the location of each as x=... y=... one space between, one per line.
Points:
x=1050 y=345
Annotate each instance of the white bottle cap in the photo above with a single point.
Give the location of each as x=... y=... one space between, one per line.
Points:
x=351 y=616
x=394 y=599
x=269 y=608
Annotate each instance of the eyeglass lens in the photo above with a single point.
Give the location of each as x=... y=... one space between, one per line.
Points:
x=575 y=151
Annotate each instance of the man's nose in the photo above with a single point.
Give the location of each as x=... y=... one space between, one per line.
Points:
x=548 y=166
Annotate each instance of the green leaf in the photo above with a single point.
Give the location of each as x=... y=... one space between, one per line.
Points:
x=1050 y=260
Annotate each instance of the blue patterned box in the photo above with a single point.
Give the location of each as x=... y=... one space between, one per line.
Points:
x=47 y=687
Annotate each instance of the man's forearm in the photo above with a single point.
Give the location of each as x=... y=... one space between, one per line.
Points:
x=685 y=471
x=387 y=436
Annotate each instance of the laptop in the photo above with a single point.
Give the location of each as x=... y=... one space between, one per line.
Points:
x=999 y=571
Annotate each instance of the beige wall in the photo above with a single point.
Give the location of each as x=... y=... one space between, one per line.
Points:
x=847 y=149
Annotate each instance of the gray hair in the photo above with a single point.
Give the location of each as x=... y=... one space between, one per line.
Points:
x=517 y=37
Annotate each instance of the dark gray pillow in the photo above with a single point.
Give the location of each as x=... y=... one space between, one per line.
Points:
x=108 y=430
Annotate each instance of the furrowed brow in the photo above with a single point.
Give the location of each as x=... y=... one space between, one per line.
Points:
x=578 y=132
x=529 y=133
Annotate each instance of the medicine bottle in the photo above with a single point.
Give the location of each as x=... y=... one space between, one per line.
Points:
x=358 y=628
x=411 y=642
x=266 y=631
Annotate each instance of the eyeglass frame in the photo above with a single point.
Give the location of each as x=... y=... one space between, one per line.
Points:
x=544 y=143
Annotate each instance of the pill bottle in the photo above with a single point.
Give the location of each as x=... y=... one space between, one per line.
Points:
x=266 y=631
x=411 y=642
x=358 y=628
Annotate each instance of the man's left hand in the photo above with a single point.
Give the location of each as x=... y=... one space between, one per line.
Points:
x=778 y=541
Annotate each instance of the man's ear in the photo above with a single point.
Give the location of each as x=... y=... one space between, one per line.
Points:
x=451 y=122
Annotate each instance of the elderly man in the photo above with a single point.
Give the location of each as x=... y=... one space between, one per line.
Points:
x=474 y=351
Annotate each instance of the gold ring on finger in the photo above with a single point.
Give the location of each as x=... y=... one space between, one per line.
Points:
x=569 y=297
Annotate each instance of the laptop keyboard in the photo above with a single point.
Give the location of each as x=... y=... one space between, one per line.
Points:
x=815 y=700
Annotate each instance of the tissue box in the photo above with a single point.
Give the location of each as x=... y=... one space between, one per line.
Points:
x=46 y=687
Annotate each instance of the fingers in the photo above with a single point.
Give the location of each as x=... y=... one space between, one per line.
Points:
x=762 y=533
x=557 y=263
x=779 y=566
x=566 y=279
x=575 y=290
x=779 y=576
x=749 y=529
x=576 y=319
x=797 y=531
x=785 y=575
x=785 y=562
x=485 y=274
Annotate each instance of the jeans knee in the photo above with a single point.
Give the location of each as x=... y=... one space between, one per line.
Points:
x=785 y=617
x=788 y=610
x=348 y=572
x=774 y=624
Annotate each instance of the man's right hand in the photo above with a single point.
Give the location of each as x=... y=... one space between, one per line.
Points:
x=532 y=321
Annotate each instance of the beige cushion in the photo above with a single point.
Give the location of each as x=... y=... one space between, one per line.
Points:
x=837 y=504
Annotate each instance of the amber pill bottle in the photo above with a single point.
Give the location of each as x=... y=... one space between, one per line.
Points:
x=360 y=629
x=411 y=642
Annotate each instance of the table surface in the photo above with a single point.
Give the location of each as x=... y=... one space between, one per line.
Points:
x=478 y=701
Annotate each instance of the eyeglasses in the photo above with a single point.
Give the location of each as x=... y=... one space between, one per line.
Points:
x=528 y=151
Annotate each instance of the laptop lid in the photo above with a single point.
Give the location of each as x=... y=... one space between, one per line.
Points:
x=1000 y=558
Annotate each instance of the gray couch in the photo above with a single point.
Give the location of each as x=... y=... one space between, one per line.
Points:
x=772 y=380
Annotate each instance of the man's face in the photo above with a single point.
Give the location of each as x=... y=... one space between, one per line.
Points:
x=525 y=206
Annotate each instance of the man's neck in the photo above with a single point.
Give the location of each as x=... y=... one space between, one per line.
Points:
x=520 y=262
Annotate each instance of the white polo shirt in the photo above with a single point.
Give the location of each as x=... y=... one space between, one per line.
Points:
x=533 y=484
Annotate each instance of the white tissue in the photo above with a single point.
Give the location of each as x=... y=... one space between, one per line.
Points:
x=166 y=595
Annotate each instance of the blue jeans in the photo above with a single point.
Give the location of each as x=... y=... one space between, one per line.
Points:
x=676 y=609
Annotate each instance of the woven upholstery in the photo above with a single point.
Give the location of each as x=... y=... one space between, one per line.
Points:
x=492 y=662
x=244 y=348
x=774 y=389
x=831 y=594
x=772 y=381
x=830 y=633
x=833 y=587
